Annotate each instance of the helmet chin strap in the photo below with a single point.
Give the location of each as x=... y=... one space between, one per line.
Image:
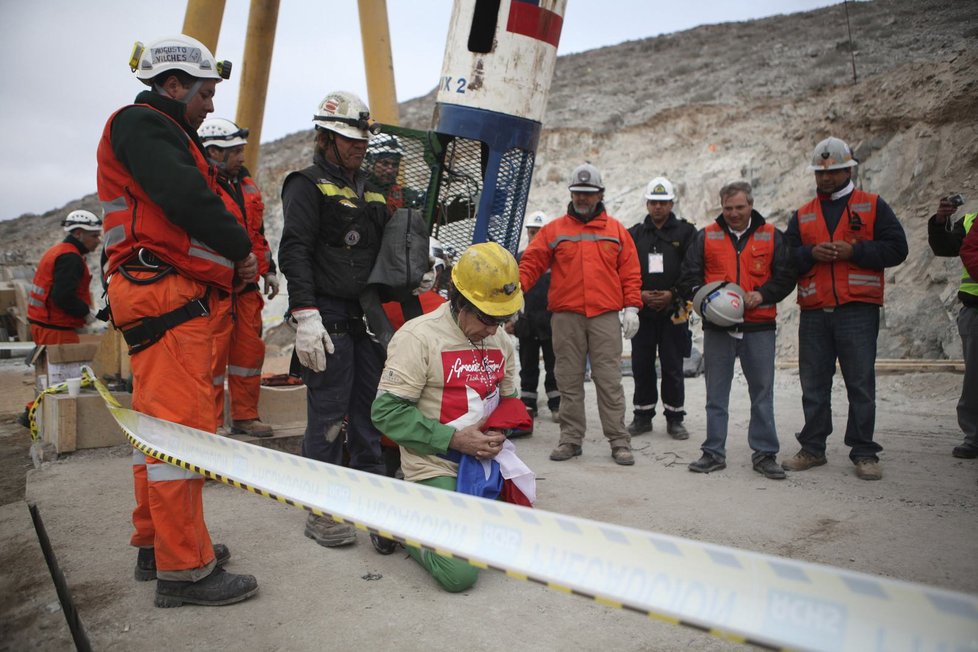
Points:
x=187 y=97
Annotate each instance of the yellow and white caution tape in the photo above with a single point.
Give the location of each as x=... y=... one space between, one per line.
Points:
x=741 y=596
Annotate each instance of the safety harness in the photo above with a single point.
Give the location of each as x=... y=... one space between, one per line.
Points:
x=145 y=332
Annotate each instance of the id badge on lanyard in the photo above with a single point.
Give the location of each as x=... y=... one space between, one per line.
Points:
x=656 y=265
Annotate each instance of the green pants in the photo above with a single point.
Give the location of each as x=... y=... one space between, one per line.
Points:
x=454 y=575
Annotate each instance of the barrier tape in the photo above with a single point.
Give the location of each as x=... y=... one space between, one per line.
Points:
x=733 y=594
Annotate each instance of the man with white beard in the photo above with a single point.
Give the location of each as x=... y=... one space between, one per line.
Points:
x=594 y=275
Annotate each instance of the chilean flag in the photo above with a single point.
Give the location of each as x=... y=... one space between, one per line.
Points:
x=526 y=17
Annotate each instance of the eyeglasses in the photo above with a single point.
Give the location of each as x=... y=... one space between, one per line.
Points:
x=488 y=320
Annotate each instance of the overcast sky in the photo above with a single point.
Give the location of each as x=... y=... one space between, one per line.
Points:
x=65 y=67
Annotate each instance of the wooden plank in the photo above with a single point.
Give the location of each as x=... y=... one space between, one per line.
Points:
x=896 y=365
x=67 y=423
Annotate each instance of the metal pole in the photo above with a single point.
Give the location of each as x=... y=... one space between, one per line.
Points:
x=852 y=53
x=203 y=21
x=379 y=65
x=255 y=68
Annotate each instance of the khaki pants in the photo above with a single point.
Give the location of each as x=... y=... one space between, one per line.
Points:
x=575 y=337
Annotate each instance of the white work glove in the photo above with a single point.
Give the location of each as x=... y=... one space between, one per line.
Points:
x=312 y=342
x=629 y=322
x=427 y=280
x=271 y=285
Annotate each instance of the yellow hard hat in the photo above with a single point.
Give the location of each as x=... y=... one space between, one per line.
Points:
x=488 y=276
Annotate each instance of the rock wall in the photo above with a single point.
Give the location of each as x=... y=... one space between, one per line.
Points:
x=744 y=101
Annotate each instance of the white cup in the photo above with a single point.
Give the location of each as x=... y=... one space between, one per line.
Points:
x=74 y=386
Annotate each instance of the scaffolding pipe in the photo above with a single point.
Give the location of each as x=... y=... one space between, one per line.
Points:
x=203 y=21
x=378 y=62
x=255 y=69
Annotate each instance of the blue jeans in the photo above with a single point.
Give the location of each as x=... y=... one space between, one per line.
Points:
x=848 y=334
x=346 y=389
x=756 y=353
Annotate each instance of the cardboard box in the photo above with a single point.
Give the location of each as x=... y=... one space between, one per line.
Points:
x=55 y=363
x=8 y=296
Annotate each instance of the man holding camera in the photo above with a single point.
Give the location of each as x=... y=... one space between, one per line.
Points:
x=945 y=237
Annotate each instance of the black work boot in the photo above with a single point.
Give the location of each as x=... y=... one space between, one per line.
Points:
x=383 y=545
x=677 y=430
x=217 y=589
x=146 y=561
x=642 y=423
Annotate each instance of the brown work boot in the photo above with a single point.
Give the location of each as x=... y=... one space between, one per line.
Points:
x=623 y=455
x=565 y=452
x=868 y=469
x=251 y=427
x=217 y=589
x=328 y=533
x=802 y=461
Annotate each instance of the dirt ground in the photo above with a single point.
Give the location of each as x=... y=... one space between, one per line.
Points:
x=918 y=524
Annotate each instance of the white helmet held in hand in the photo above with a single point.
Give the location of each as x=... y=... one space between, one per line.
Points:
x=535 y=220
x=660 y=189
x=81 y=219
x=179 y=52
x=218 y=132
x=346 y=114
x=832 y=154
x=721 y=303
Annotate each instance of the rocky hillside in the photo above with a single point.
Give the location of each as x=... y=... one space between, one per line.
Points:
x=748 y=101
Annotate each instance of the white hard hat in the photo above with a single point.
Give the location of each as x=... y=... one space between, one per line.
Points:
x=720 y=303
x=179 y=52
x=384 y=145
x=436 y=251
x=81 y=220
x=832 y=154
x=535 y=220
x=660 y=189
x=585 y=178
x=218 y=132
x=345 y=114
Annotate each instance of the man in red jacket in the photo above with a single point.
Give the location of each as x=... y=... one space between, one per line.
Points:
x=594 y=275
x=60 y=297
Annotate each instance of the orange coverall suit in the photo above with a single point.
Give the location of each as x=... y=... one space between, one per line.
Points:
x=239 y=351
x=169 y=247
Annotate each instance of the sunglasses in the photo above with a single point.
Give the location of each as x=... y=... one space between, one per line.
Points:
x=488 y=320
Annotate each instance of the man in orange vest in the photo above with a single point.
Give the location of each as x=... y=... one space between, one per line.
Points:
x=172 y=253
x=240 y=352
x=841 y=241
x=741 y=248
x=60 y=299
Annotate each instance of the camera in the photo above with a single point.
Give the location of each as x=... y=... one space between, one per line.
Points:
x=955 y=199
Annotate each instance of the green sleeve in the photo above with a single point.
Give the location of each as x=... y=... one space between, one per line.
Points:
x=403 y=422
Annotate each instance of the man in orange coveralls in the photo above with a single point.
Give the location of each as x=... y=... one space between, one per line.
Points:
x=171 y=250
x=240 y=350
